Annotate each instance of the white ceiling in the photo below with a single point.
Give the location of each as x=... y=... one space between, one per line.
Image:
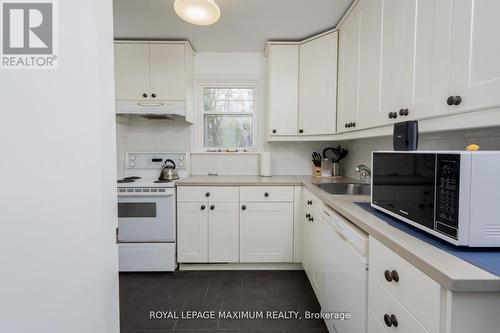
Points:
x=244 y=26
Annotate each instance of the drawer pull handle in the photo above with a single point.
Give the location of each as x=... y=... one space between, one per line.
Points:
x=311 y=219
x=391 y=320
x=309 y=202
x=212 y=207
x=243 y=207
x=391 y=276
x=266 y=194
x=203 y=207
x=308 y=216
x=207 y=194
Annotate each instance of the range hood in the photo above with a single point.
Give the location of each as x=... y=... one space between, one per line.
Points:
x=152 y=109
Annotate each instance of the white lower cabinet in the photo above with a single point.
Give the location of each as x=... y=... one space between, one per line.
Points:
x=388 y=310
x=214 y=226
x=192 y=232
x=374 y=325
x=223 y=232
x=311 y=246
x=266 y=233
x=207 y=232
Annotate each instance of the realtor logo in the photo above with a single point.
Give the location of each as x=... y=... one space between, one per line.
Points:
x=28 y=34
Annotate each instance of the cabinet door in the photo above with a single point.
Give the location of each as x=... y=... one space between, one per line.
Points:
x=393 y=74
x=167 y=71
x=131 y=71
x=348 y=78
x=318 y=86
x=475 y=69
x=429 y=59
x=283 y=71
x=189 y=61
x=306 y=243
x=223 y=233
x=266 y=232
x=374 y=325
x=192 y=235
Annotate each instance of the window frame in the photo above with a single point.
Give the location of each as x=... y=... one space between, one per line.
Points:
x=229 y=84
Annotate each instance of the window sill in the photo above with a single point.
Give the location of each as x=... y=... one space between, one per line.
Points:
x=227 y=153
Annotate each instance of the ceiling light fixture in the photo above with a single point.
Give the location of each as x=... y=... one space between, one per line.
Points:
x=199 y=12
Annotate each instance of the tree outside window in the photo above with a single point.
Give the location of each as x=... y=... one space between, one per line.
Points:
x=228 y=117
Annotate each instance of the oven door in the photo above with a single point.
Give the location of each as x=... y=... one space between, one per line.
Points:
x=404 y=184
x=147 y=217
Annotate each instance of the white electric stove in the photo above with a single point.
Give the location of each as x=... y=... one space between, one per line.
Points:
x=147 y=213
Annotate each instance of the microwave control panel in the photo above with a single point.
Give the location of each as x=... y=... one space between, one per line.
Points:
x=447 y=193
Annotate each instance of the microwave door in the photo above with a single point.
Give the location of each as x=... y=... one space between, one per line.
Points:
x=404 y=184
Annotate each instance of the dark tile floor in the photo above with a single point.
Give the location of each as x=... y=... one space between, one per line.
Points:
x=252 y=292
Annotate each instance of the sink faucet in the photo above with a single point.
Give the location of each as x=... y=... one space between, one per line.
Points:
x=363 y=171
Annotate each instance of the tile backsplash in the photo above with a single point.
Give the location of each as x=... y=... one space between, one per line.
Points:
x=360 y=150
x=142 y=135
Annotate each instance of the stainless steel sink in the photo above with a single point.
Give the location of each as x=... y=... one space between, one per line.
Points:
x=345 y=188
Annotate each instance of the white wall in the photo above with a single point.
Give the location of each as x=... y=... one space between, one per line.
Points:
x=146 y=135
x=360 y=150
x=58 y=257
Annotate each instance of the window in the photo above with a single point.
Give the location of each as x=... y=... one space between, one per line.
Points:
x=228 y=117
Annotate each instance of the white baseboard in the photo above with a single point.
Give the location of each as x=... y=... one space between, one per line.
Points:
x=240 y=267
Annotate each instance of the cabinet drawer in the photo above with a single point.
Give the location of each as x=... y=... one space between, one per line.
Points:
x=266 y=194
x=207 y=193
x=381 y=303
x=416 y=291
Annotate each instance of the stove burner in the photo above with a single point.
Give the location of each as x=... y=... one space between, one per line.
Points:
x=132 y=178
x=121 y=181
x=128 y=180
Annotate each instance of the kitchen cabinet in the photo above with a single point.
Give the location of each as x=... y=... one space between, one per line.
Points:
x=415 y=60
x=131 y=71
x=225 y=224
x=349 y=53
x=192 y=233
x=475 y=69
x=151 y=72
x=318 y=85
x=223 y=232
x=312 y=251
x=302 y=85
x=266 y=233
x=167 y=71
x=283 y=76
x=208 y=224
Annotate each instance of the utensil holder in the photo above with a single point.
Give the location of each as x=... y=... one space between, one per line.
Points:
x=326 y=167
x=336 y=169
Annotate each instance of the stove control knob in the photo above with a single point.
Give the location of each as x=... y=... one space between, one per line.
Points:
x=181 y=158
x=181 y=164
x=132 y=157
x=132 y=164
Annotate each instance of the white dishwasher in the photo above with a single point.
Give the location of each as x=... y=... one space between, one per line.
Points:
x=345 y=275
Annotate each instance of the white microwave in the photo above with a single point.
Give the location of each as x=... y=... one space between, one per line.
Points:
x=453 y=195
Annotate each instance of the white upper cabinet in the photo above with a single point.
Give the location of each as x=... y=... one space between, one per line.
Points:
x=302 y=80
x=167 y=71
x=318 y=85
x=410 y=60
x=154 y=71
x=475 y=54
x=131 y=71
x=283 y=72
x=349 y=52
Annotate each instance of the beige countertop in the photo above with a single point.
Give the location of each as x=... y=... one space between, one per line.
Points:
x=450 y=271
x=238 y=181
